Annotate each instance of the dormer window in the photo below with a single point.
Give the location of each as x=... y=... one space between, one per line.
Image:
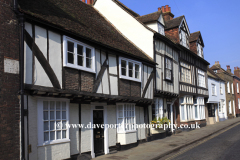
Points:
x=161 y=29
x=200 y=50
x=78 y=55
x=184 y=40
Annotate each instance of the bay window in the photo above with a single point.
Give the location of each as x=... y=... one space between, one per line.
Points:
x=168 y=69
x=126 y=117
x=130 y=69
x=201 y=78
x=78 y=55
x=185 y=72
x=157 y=110
x=190 y=110
x=53 y=115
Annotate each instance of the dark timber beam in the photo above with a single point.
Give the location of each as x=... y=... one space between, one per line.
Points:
x=100 y=75
x=147 y=84
x=42 y=60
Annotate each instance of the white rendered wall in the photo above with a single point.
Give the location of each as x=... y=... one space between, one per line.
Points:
x=85 y=132
x=213 y=98
x=140 y=120
x=112 y=119
x=53 y=151
x=127 y=25
x=127 y=138
x=153 y=26
x=74 y=132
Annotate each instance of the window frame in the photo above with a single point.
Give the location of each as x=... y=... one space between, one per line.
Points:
x=215 y=90
x=40 y=121
x=123 y=117
x=237 y=88
x=221 y=88
x=165 y=68
x=162 y=30
x=201 y=73
x=158 y=109
x=187 y=68
x=127 y=69
x=67 y=39
x=238 y=103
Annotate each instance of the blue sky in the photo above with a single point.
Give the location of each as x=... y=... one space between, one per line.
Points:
x=218 y=21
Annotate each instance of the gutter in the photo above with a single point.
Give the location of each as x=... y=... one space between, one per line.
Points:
x=21 y=72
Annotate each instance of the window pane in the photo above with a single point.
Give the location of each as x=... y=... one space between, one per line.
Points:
x=52 y=135
x=89 y=63
x=196 y=112
x=70 y=46
x=63 y=124
x=130 y=73
x=182 y=112
x=46 y=136
x=58 y=115
x=58 y=134
x=63 y=134
x=88 y=53
x=52 y=107
x=45 y=105
x=130 y=67
x=137 y=71
x=120 y=113
x=70 y=58
x=58 y=107
x=52 y=125
x=46 y=126
x=63 y=114
x=52 y=115
x=45 y=115
x=63 y=105
x=59 y=125
x=80 y=55
x=123 y=67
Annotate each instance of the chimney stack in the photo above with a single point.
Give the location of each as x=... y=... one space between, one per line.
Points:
x=89 y=2
x=228 y=69
x=166 y=10
x=217 y=64
x=237 y=71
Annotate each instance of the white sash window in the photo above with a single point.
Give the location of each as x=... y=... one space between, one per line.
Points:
x=201 y=78
x=185 y=72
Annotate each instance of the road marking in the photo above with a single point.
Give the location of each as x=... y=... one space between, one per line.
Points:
x=203 y=141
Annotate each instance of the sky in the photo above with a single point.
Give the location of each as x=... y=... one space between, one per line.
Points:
x=217 y=20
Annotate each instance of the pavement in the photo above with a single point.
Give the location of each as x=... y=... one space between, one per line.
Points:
x=162 y=147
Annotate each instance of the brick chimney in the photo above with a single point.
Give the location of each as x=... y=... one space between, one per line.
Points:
x=166 y=10
x=237 y=71
x=228 y=69
x=217 y=64
x=88 y=1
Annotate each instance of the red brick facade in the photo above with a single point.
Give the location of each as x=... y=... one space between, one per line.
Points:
x=236 y=83
x=193 y=47
x=9 y=84
x=173 y=34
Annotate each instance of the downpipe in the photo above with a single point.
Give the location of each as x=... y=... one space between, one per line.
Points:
x=20 y=17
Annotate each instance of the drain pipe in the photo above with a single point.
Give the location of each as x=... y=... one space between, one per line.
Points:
x=21 y=72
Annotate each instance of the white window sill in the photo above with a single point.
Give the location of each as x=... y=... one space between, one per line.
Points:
x=54 y=142
x=129 y=78
x=124 y=132
x=79 y=68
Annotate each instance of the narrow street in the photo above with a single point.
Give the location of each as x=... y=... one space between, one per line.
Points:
x=220 y=146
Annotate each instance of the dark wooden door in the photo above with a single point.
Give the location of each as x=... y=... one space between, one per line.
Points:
x=169 y=111
x=98 y=132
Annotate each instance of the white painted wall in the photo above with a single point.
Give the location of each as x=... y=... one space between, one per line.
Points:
x=140 y=120
x=74 y=132
x=53 y=151
x=85 y=132
x=40 y=76
x=127 y=138
x=153 y=26
x=28 y=57
x=112 y=119
x=55 y=58
x=127 y=25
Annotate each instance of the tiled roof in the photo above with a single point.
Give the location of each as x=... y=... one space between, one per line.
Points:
x=214 y=67
x=127 y=9
x=213 y=75
x=83 y=21
x=173 y=23
x=150 y=17
x=194 y=36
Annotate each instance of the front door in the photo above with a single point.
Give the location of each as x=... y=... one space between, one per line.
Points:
x=98 y=132
x=169 y=111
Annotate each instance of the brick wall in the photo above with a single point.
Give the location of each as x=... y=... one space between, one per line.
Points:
x=130 y=88
x=193 y=47
x=9 y=84
x=173 y=34
x=237 y=95
x=87 y=81
x=71 y=79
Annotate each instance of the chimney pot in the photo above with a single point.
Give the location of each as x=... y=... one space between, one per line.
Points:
x=167 y=8
x=163 y=9
x=159 y=8
x=228 y=66
x=89 y=1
